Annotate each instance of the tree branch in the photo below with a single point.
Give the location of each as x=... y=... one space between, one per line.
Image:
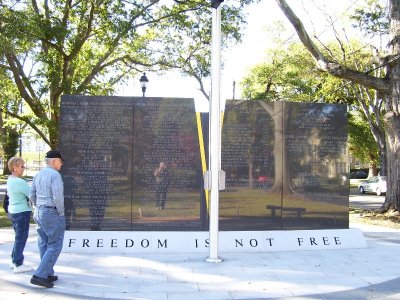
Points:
x=29 y=122
x=333 y=68
x=22 y=84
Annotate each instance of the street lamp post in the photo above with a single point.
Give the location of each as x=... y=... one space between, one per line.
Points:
x=143 y=83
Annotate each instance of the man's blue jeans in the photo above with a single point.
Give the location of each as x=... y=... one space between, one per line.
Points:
x=51 y=228
x=20 y=223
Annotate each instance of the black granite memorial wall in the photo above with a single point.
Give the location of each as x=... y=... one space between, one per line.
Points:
x=285 y=165
x=114 y=146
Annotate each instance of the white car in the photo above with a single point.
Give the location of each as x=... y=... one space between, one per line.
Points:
x=376 y=185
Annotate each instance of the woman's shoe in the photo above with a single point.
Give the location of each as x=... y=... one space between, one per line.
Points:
x=22 y=268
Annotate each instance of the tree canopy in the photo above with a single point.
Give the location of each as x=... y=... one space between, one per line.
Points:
x=52 y=48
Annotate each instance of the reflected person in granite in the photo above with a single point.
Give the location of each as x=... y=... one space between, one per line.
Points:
x=98 y=192
x=162 y=176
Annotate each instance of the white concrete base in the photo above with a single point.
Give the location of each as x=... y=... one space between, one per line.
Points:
x=198 y=241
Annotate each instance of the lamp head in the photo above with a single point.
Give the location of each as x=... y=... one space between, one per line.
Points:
x=143 y=81
x=216 y=3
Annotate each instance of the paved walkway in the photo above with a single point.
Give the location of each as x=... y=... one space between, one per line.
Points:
x=369 y=273
x=365 y=201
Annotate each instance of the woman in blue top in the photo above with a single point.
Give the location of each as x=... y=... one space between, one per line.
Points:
x=19 y=211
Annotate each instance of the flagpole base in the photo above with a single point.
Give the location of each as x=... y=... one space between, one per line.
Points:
x=214 y=260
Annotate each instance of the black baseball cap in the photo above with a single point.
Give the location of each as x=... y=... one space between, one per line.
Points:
x=54 y=154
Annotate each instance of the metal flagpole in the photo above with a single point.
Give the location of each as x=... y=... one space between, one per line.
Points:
x=215 y=131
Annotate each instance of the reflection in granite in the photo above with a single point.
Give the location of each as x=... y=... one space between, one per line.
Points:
x=137 y=164
x=165 y=132
x=317 y=171
x=247 y=157
x=114 y=146
x=98 y=152
x=286 y=166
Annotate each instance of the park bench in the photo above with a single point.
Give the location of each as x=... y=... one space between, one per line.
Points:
x=274 y=208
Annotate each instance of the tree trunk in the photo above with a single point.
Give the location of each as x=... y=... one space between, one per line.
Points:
x=372 y=170
x=392 y=126
x=53 y=136
x=10 y=145
x=281 y=175
x=392 y=106
x=2 y=135
x=383 y=161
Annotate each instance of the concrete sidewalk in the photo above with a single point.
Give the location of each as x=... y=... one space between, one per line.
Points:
x=368 y=273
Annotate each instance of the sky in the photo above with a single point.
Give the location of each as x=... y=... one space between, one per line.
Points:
x=239 y=59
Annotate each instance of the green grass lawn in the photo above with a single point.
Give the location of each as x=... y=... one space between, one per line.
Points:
x=4 y=220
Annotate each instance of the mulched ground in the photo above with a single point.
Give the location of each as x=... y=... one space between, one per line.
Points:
x=374 y=217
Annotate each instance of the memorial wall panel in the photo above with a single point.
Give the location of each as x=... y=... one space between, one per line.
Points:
x=113 y=146
x=247 y=157
x=165 y=133
x=286 y=166
x=316 y=188
x=96 y=140
x=135 y=164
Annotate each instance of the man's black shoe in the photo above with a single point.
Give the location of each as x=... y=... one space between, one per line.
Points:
x=52 y=278
x=41 y=282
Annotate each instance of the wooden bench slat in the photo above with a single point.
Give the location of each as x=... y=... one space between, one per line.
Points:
x=273 y=209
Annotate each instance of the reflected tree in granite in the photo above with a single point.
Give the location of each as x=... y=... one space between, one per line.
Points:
x=284 y=164
x=306 y=185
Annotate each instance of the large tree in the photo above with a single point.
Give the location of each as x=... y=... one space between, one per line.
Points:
x=387 y=88
x=287 y=73
x=51 y=48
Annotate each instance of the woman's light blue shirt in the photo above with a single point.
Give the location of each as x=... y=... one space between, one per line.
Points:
x=18 y=191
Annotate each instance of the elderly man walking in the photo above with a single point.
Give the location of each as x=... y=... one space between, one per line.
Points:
x=47 y=194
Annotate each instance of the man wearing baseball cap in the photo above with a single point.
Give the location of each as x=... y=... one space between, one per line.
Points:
x=47 y=194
